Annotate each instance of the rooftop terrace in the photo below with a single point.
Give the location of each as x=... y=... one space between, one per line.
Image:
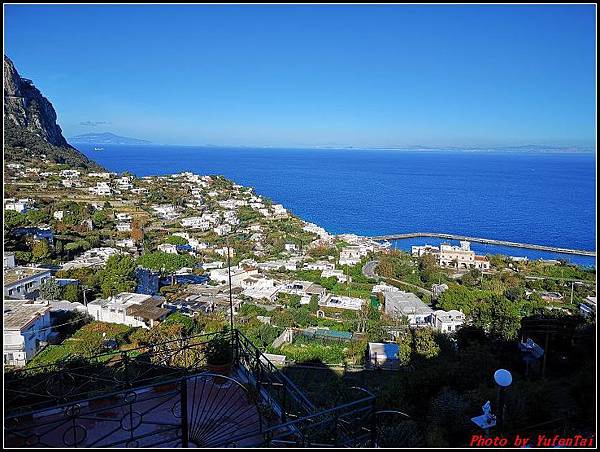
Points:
x=16 y=274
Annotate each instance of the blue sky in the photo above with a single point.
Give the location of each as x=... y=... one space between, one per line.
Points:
x=311 y=75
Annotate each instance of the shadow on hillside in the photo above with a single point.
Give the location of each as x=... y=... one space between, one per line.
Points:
x=441 y=394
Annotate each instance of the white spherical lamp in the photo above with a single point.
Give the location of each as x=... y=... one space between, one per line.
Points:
x=503 y=377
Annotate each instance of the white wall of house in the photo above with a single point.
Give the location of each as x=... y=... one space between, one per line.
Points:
x=26 y=285
x=19 y=347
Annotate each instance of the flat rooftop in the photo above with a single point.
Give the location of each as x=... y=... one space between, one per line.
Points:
x=124 y=299
x=407 y=303
x=18 y=314
x=16 y=274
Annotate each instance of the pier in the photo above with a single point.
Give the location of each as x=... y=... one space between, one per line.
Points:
x=440 y=235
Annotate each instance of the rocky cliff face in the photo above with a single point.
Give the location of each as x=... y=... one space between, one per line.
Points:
x=26 y=107
x=30 y=123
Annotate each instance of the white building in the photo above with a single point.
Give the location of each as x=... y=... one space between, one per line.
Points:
x=125 y=183
x=320 y=265
x=166 y=211
x=459 y=257
x=304 y=289
x=260 y=288
x=101 y=175
x=438 y=289
x=237 y=275
x=167 y=248
x=196 y=223
x=383 y=288
x=291 y=247
x=133 y=309
x=123 y=227
x=588 y=307
x=122 y=216
x=341 y=302
x=101 y=189
x=140 y=191
x=96 y=258
x=351 y=255
x=21 y=205
x=447 y=321
x=125 y=243
x=70 y=183
x=224 y=251
x=279 y=211
x=419 y=251
x=322 y=233
x=70 y=173
x=223 y=229
x=338 y=274
x=193 y=242
x=8 y=261
x=406 y=304
x=27 y=327
x=24 y=282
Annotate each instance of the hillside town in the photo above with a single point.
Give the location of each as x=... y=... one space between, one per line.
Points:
x=181 y=310
x=205 y=248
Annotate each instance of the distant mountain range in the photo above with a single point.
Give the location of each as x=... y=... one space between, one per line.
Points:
x=105 y=138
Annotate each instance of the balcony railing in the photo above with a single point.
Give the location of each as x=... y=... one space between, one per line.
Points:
x=162 y=395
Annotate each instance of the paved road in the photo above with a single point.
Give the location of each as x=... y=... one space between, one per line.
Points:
x=368 y=269
x=420 y=289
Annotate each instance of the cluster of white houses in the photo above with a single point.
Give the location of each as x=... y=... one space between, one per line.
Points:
x=407 y=306
x=18 y=205
x=459 y=257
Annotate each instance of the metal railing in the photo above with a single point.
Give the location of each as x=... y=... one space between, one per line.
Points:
x=119 y=399
x=79 y=378
x=266 y=377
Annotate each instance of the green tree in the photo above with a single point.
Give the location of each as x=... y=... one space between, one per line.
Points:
x=428 y=268
x=37 y=217
x=166 y=262
x=514 y=293
x=40 y=250
x=424 y=342
x=462 y=298
x=13 y=219
x=100 y=219
x=505 y=319
x=50 y=290
x=176 y=240
x=313 y=306
x=180 y=319
x=404 y=350
x=71 y=293
x=23 y=257
x=385 y=268
x=117 y=276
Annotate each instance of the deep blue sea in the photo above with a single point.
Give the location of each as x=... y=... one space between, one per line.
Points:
x=541 y=198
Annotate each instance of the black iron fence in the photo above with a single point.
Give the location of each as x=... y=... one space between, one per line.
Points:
x=162 y=395
x=78 y=378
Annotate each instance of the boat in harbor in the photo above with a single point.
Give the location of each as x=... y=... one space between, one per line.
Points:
x=98 y=149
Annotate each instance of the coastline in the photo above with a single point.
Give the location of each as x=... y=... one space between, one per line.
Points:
x=320 y=187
